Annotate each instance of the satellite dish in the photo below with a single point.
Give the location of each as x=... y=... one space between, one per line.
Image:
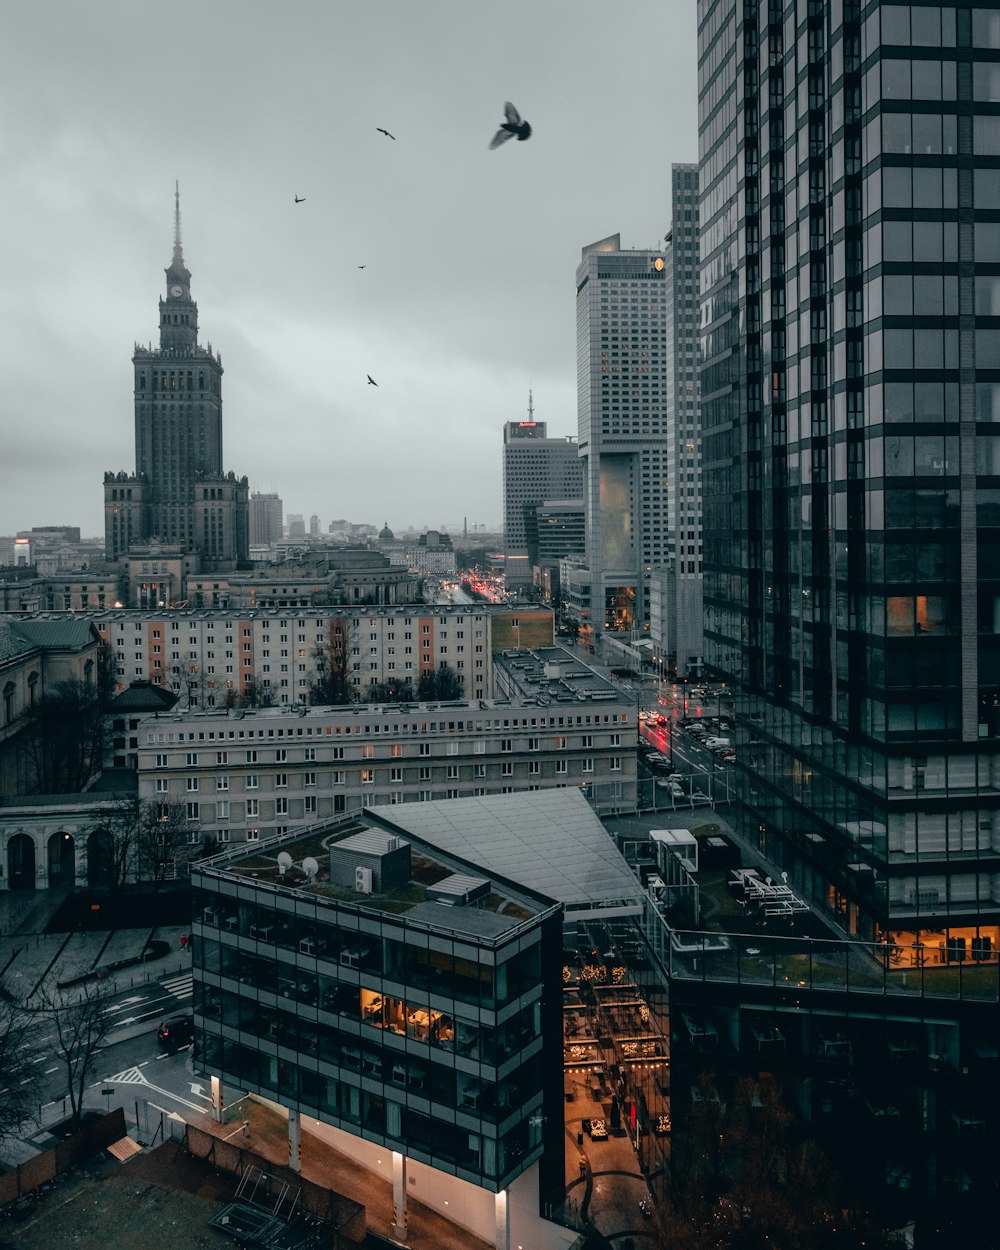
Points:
x=284 y=862
x=310 y=867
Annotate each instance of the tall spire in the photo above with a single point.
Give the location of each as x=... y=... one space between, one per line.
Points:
x=531 y=407
x=178 y=254
x=178 y=274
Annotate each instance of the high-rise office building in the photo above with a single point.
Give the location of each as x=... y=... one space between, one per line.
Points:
x=266 y=519
x=180 y=495
x=535 y=468
x=675 y=589
x=621 y=336
x=850 y=173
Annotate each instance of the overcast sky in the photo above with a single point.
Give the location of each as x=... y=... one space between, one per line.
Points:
x=468 y=294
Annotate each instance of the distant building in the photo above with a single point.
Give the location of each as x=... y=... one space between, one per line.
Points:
x=535 y=468
x=258 y=771
x=314 y=526
x=296 y=528
x=36 y=656
x=675 y=608
x=266 y=527
x=180 y=494
x=621 y=395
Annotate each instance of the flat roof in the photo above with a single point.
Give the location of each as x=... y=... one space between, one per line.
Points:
x=550 y=841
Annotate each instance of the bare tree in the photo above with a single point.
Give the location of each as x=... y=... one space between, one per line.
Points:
x=80 y=1022
x=17 y=1072
x=114 y=843
x=64 y=738
x=441 y=683
x=163 y=834
x=333 y=683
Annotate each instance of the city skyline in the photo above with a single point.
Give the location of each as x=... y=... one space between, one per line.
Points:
x=254 y=113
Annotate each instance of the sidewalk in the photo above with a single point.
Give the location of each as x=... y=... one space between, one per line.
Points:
x=267 y=1137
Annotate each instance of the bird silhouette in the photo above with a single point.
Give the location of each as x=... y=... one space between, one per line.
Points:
x=300 y=199
x=371 y=380
x=511 y=127
x=362 y=266
x=382 y=131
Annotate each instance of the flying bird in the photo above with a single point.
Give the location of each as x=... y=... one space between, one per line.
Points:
x=371 y=380
x=362 y=266
x=384 y=132
x=511 y=127
x=300 y=199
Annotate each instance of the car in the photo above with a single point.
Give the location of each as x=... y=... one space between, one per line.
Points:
x=175 y=1032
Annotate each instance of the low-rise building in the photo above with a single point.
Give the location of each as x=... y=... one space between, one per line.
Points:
x=213 y=655
x=245 y=774
x=396 y=980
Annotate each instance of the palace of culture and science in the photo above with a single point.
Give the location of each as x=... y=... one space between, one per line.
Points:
x=179 y=504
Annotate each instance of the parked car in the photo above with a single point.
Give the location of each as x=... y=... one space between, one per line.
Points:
x=175 y=1032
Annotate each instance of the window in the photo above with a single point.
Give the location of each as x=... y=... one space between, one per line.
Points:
x=425 y=748
x=368 y=752
x=253 y=807
x=532 y=744
x=560 y=742
x=251 y=781
x=222 y=809
x=506 y=769
x=161 y=761
x=310 y=754
x=480 y=770
x=192 y=784
x=309 y=779
x=588 y=742
x=222 y=757
x=192 y=759
x=425 y=774
x=367 y=776
x=506 y=744
x=193 y=811
x=395 y=750
x=310 y=804
x=534 y=768
x=281 y=806
x=587 y=766
x=452 y=772
x=395 y=774
x=161 y=785
x=222 y=783
x=281 y=755
x=253 y=835
x=616 y=763
x=560 y=766
x=251 y=757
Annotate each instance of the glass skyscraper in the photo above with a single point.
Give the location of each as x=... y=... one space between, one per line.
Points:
x=850 y=289
x=621 y=345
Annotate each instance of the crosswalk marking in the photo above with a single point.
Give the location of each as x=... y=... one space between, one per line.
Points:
x=180 y=986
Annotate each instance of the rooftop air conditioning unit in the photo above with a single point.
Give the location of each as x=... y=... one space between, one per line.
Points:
x=363 y=880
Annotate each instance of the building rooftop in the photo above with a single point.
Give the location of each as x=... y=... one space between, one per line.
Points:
x=547 y=840
x=553 y=674
x=483 y=913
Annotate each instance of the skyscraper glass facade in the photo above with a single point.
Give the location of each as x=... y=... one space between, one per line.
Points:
x=850 y=285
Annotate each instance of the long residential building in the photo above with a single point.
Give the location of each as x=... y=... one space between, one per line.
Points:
x=210 y=655
x=247 y=774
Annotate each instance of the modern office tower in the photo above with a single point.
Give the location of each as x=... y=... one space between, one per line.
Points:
x=535 y=467
x=296 y=526
x=621 y=336
x=850 y=381
x=180 y=496
x=266 y=524
x=676 y=600
x=314 y=526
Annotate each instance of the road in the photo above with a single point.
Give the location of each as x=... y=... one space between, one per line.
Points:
x=131 y=1062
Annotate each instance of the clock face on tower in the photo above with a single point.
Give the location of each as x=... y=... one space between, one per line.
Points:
x=176 y=290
